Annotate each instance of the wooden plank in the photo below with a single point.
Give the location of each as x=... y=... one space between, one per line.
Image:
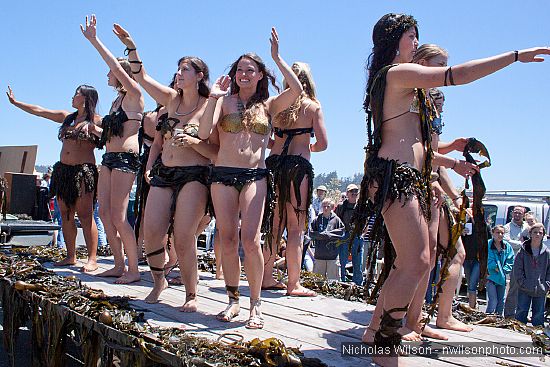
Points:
x=319 y=325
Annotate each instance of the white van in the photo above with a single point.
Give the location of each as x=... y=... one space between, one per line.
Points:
x=498 y=206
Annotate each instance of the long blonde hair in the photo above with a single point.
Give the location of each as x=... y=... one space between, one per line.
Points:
x=427 y=52
x=289 y=116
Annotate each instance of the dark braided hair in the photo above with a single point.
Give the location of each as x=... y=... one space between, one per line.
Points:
x=262 y=89
x=385 y=37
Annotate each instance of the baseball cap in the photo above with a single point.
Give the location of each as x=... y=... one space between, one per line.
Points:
x=352 y=187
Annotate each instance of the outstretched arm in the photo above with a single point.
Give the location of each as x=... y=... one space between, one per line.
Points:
x=89 y=31
x=458 y=144
x=461 y=167
x=213 y=106
x=284 y=100
x=160 y=93
x=411 y=75
x=54 y=115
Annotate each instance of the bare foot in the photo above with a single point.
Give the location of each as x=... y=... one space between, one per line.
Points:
x=219 y=276
x=230 y=312
x=65 y=262
x=300 y=291
x=190 y=304
x=128 y=278
x=433 y=333
x=410 y=335
x=113 y=272
x=453 y=324
x=153 y=297
x=91 y=265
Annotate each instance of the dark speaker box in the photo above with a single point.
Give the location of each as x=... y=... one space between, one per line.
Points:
x=21 y=193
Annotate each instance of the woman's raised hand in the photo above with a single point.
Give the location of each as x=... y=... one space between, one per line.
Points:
x=532 y=54
x=89 y=31
x=10 y=95
x=220 y=87
x=123 y=36
x=274 y=40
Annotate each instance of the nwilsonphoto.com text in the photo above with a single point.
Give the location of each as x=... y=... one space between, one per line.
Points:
x=478 y=349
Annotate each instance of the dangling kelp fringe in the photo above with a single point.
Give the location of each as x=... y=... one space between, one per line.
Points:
x=449 y=254
x=289 y=171
x=107 y=329
x=176 y=178
x=142 y=186
x=3 y=190
x=475 y=146
x=238 y=178
x=68 y=181
x=394 y=180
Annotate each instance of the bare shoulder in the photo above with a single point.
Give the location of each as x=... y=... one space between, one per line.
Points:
x=310 y=106
x=97 y=119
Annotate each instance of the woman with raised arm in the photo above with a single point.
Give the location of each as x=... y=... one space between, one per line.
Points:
x=74 y=177
x=399 y=160
x=179 y=191
x=293 y=176
x=240 y=123
x=120 y=163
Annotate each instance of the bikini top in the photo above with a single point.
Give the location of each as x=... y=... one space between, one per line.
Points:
x=166 y=125
x=113 y=123
x=435 y=124
x=290 y=134
x=233 y=123
x=76 y=134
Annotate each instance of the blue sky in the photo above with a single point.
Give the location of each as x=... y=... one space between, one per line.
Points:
x=45 y=57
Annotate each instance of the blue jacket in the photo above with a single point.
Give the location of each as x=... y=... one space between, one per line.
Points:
x=499 y=264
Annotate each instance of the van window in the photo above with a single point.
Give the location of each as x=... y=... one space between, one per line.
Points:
x=490 y=212
x=511 y=209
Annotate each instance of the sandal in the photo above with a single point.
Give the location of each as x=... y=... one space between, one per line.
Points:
x=255 y=321
x=228 y=314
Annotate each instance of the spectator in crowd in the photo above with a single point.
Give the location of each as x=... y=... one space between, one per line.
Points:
x=326 y=229
x=499 y=264
x=512 y=234
x=532 y=275
x=101 y=236
x=46 y=179
x=515 y=228
x=320 y=194
x=345 y=212
x=530 y=219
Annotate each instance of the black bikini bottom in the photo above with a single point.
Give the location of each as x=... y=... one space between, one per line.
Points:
x=68 y=181
x=176 y=178
x=238 y=178
x=122 y=161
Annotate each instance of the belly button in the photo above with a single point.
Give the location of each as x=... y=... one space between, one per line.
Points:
x=241 y=150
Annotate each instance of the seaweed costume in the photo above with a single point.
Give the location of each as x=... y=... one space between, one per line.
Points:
x=113 y=125
x=239 y=177
x=175 y=177
x=69 y=182
x=395 y=181
x=142 y=186
x=290 y=170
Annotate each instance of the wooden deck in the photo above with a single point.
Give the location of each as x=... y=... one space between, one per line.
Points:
x=317 y=325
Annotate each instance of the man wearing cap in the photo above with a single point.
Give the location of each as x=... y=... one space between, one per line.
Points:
x=345 y=212
x=321 y=192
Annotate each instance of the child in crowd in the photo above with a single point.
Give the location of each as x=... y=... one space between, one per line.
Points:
x=326 y=229
x=499 y=263
x=532 y=272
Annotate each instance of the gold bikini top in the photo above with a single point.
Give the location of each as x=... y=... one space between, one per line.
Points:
x=233 y=123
